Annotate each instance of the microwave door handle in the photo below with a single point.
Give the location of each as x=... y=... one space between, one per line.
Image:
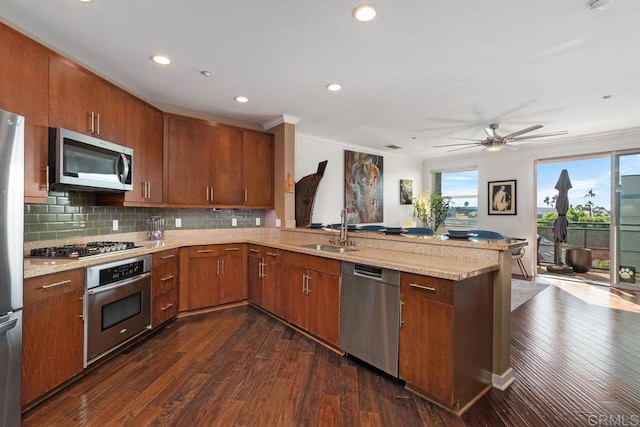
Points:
x=125 y=164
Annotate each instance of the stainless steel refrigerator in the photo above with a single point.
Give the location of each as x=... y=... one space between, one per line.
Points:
x=11 y=264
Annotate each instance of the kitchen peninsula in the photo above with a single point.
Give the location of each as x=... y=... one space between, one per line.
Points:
x=454 y=261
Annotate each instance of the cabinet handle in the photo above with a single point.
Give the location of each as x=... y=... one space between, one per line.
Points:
x=254 y=251
x=205 y=251
x=91 y=122
x=168 y=256
x=425 y=288
x=308 y=287
x=53 y=285
x=164 y=279
x=246 y=195
x=271 y=254
x=207 y=194
x=98 y=125
x=401 y=313
x=212 y=195
x=46 y=179
x=232 y=249
x=167 y=307
x=222 y=267
x=217 y=267
x=304 y=283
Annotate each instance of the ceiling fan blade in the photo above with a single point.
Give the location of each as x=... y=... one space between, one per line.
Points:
x=521 y=132
x=511 y=147
x=489 y=132
x=522 y=138
x=453 y=145
x=464 y=148
x=466 y=139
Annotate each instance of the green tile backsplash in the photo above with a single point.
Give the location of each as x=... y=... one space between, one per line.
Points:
x=75 y=214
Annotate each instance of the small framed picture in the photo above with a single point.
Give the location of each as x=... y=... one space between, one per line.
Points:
x=406 y=191
x=502 y=197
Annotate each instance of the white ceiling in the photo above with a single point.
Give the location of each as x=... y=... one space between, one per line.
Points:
x=424 y=69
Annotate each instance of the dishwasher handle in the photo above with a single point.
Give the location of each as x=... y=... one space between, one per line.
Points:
x=367 y=271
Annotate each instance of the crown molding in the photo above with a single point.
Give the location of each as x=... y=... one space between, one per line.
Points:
x=285 y=118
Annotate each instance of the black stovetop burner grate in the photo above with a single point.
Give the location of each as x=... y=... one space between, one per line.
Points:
x=81 y=250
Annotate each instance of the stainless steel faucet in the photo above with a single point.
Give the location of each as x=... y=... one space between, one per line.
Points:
x=343 y=228
x=343 y=239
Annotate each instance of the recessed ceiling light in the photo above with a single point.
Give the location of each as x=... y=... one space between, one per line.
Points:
x=364 y=13
x=206 y=73
x=333 y=87
x=241 y=99
x=84 y=1
x=607 y=97
x=161 y=59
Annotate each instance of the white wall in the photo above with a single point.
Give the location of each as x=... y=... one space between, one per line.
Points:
x=311 y=150
x=520 y=165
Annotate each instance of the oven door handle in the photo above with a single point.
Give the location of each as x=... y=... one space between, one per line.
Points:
x=107 y=288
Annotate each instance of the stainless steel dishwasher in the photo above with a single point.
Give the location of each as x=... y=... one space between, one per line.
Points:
x=370 y=315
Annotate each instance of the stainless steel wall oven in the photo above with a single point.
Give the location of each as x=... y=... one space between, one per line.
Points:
x=117 y=303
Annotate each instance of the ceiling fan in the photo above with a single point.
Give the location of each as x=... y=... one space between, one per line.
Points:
x=495 y=142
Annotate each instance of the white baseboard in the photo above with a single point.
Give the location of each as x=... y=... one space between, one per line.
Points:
x=502 y=382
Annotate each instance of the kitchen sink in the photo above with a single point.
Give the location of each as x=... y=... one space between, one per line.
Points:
x=330 y=248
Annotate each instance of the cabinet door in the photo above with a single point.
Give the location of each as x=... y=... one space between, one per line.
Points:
x=75 y=94
x=254 y=279
x=203 y=282
x=227 y=167
x=294 y=299
x=258 y=169
x=187 y=169
x=232 y=274
x=324 y=306
x=144 y=135
x=24 y=90
x=272 y=289
x=52 y=332
x=426 y=343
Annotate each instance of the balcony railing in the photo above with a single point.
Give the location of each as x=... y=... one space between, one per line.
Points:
x=591 y=235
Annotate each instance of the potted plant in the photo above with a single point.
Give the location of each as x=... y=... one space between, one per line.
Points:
x=432 y=209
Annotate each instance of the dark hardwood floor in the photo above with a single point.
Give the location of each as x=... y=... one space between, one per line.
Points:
x=576 y=360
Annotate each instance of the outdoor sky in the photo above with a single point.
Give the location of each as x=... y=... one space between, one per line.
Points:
x=585 y=174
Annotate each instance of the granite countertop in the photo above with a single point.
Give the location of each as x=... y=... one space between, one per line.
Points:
x=441 y=265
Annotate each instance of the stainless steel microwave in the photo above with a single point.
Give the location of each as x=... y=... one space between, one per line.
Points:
x=83 y=163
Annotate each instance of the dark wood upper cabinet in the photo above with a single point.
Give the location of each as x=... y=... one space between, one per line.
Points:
x=208 y=164
x=83 y=102
x=24 y=90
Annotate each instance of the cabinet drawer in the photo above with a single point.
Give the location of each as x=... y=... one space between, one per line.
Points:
x=231 y=249
x=273 y=254
x=316 y=263
x=53 y=284
x=203 y=251
x=165 y=278
x=416 y=286
x=165 y=307
x=256 y=250
x=161 y=258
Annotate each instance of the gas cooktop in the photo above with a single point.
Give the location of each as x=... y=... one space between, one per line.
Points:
x=81 y=250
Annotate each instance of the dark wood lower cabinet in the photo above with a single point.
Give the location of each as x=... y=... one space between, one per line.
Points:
x=165 y=276
x=311 y=294
x=446 y=338
x=52 y=332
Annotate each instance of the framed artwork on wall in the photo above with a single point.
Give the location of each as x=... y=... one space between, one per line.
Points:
x=406 y=191
x=363 y=189
x=502 y=197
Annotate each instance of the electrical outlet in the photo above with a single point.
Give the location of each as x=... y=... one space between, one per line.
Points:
x=234 y=222
x=277 y=222
x=257 y=221
x=115 y=225
x=178 y=222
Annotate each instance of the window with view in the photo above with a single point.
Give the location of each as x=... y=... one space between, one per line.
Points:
x=462 y=187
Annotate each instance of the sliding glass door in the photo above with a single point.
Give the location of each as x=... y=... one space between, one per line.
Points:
x=626 y=236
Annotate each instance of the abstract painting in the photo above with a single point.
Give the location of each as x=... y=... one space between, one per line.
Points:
x=363 y=189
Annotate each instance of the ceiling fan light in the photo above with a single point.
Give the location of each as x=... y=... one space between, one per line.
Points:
x=495 y=147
